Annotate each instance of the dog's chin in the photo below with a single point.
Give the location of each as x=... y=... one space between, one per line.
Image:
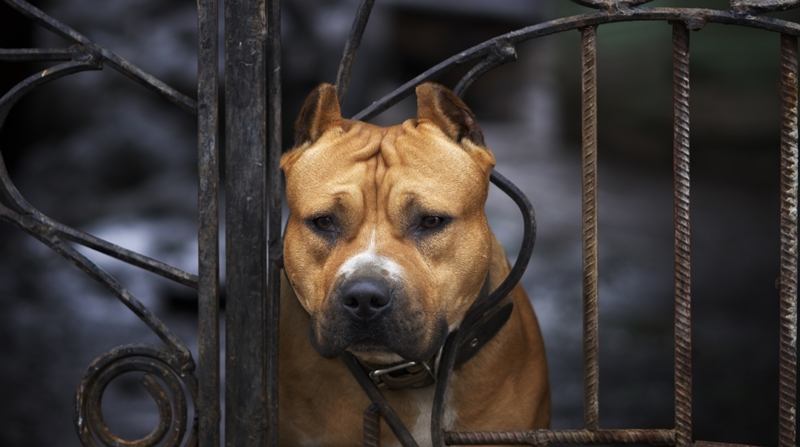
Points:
x=372 y=352
x=332 y=340
x=376 y=352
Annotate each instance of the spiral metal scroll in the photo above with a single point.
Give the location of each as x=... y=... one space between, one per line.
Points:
x=156 y=363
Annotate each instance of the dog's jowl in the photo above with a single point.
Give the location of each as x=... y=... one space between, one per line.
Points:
x=387 y=246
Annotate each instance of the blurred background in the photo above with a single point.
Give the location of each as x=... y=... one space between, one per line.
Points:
x=100 y=153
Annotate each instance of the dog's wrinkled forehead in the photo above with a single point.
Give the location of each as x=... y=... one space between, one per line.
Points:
x=442 y=116
x=361 y=154
x=336 y=164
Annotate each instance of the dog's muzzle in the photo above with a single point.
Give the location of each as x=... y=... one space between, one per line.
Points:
x=372 y=315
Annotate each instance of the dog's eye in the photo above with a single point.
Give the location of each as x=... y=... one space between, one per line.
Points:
x=324 y=223
x=430 y=222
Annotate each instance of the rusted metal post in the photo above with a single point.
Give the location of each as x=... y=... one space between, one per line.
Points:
x=275 y=241
x=683 y=313
x=591 y=367
x=787 y=387
x=208 y=405
x=245 y=213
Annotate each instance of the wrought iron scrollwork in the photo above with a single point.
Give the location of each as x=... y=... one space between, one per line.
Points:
x=172 y=365
x=100 y=53
x=156 y=363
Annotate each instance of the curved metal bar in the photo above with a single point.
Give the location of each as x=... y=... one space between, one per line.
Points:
x=105 y=376
x=407 y=89
x=102 y=246
x=31 y=220
x=528 y=241
x=118 y=63
x=502 y=53
x=154 y=361
x=479 y=308
x=762 y=6
x=694 y=18
x=115 y=251
x=49 y=237
x=24 y=207
x=611 y=5
x=31 y=82
x=163 y=404
x=351 y=47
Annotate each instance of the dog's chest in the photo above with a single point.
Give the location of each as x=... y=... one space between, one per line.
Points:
x=420 y=429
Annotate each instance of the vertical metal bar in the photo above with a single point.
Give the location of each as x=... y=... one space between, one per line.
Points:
x=351 y=47
x=683 y=323
x=787 y=387
x=591 y=367
x=275 y=197
x=208 y=405
x=372 y=426
x=245 y=214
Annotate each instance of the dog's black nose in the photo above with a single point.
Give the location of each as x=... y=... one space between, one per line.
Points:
x=365 y=298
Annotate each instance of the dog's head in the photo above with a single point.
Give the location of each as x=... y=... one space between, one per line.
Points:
x=387 y=242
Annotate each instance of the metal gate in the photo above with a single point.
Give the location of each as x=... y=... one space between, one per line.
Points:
x=253 y=217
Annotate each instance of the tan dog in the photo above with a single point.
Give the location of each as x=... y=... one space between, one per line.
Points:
x=387 y=245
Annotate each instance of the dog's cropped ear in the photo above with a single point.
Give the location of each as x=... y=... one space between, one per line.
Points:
x=320 y=112
x=440 y=106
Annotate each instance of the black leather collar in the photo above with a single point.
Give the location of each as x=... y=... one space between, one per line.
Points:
x=405 y=374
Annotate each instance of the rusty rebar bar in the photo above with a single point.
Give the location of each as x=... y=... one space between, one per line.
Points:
x=372 y=426
x=591 y=368
x=787 y=387
x=683 y=323
x=718 y=444
x=561 y=437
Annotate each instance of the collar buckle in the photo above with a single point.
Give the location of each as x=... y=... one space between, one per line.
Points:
x=379 y=372
x=402 y=375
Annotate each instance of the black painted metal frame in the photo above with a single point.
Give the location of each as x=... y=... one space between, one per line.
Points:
x=253 y=217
